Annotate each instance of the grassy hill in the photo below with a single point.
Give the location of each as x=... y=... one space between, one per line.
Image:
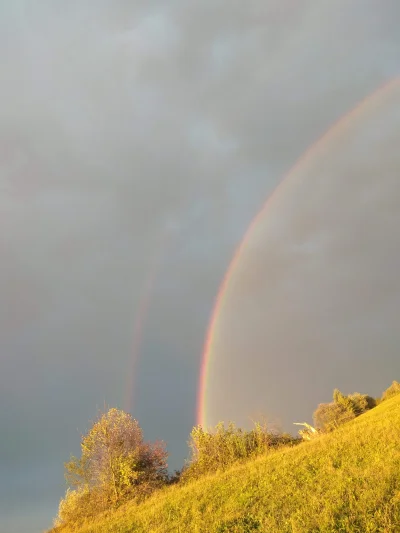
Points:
x=348 y=480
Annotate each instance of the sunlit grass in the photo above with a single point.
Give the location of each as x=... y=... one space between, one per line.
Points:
x=346 y=481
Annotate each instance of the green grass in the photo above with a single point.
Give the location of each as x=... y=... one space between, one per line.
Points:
x=348 y=480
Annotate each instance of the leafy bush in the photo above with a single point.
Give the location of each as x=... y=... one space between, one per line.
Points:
x=75 y=507
x=116 y=465
x=329 y=416
x=393 y=390
x=222 y=446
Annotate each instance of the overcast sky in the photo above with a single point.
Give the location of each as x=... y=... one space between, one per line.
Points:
x=137 y=142
x=314 y=298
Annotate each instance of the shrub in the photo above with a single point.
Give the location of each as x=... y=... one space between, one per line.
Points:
x=222 y=446
x=115 y=465
x=328 y=416
x=393 y=390
x=75 y=507
x=360 y=403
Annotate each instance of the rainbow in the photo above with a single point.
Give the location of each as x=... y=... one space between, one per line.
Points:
x=334 y=132
x=143 y=310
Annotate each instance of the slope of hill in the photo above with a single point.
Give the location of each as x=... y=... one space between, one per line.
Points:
x=346 y=481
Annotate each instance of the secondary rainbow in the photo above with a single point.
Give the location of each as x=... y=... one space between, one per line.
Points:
x=335 y=131
x=143 y=310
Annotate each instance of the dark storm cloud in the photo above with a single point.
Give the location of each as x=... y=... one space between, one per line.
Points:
x=125 y=124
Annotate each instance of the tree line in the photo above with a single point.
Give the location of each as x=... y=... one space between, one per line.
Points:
x=117 y=465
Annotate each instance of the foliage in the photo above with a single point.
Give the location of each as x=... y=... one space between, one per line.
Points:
x=115 y=465
x=222 y=446
x=346 y=481
x=329 y=416
x=361 y=403
x=74 y=507
x=393 y=390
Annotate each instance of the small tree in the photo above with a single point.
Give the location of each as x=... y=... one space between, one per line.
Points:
x=116 y=464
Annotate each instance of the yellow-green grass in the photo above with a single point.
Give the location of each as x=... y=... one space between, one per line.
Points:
x=348 y=480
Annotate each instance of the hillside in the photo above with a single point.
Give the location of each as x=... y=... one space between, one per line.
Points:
x=348 y=480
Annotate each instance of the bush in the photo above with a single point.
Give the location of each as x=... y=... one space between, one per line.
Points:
x=222 y=446
x=116 y=465
x=329 y=416
x=393 y=390
x=75 y=507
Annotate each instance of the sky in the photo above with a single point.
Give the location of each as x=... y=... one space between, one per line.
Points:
x=137 y=142
x=313 y=296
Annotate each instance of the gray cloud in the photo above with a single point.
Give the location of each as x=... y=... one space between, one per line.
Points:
x=314 y=299
x=123 y=125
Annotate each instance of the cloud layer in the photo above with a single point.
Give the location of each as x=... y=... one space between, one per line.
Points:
x=123 y=125
x=313 y=298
